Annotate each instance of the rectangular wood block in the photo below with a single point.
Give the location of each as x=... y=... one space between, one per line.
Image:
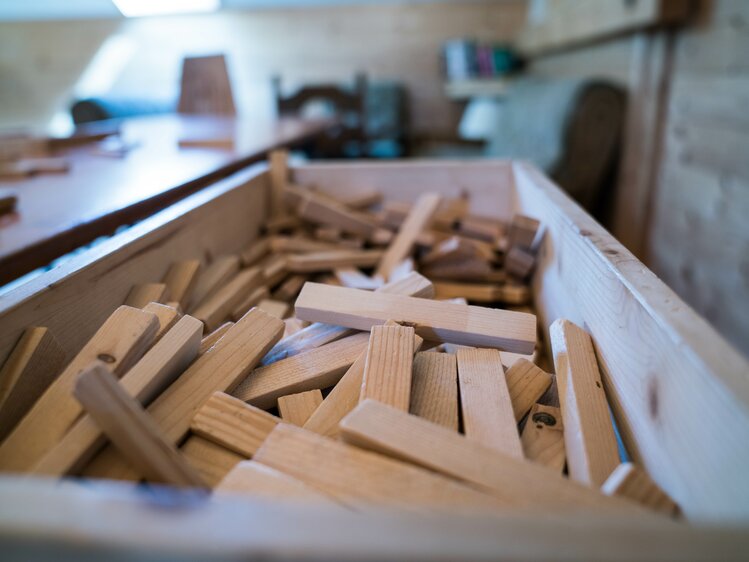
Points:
x=212 y=461
x=387 y=371
x=218 y=306
x=527 y=383
x=181 y=279
x=297 y=408
x=434 y=388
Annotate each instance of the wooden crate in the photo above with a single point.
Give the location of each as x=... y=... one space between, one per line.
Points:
x=679 y=392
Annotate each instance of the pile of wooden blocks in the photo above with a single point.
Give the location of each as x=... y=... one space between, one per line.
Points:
x=337 y=361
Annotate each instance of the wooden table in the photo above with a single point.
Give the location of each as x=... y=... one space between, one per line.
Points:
x=57 y=213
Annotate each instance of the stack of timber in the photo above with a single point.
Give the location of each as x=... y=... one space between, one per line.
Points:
x=363 y=354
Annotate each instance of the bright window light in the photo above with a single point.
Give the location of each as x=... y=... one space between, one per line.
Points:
x=139 y=8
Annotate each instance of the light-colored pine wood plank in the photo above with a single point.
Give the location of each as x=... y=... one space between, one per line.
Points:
x=434 y=320
x=210 y=340
x=166 y=315
x=630 y=481
x=274 y=270
x=289 y=289
x=132 y=431
x=217 y=274
x=216 y=308
x=212 y=461
x=485 y=401
x=181 y=279
x=300 y=245
x=526 y=383
x=274 y=308
x=589 y=438
x=297 y=408
x=119 y=343
x=387 y=371
x=362 y=200
x=142 y=294
x=279 y=173
x=252 y=299
x=434 y=388
x=543 y=437
x=332 y=259
x=318 y=210
x=254 y=252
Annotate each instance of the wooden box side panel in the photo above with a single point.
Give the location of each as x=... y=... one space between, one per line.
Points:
x=679 y=392
x=74 y=299
x=489 y=183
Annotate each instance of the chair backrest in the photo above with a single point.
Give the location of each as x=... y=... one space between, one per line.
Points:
x=206 y=88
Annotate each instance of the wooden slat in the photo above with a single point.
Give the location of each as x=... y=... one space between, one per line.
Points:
x=320 y=211
x=181 y=279
x=317 y=368
x=35 y=362
x=120 y=342
x=166 y=315
x=589 y=438
x=630 y=481
x=418 y=219
x=275 y=308
x=434 y=321
x=360 y=478
x=229 y=422
x=279 y=173
x=297 y=408
x=290 y=288
x=526 y=383
x=135 y=434
x=300 y=245
x=387 y=371
x=332 y=259
x=217 y=307
x=217 y=274
x=256 y=251
x=210 y=340
x=252 y=299
x=485 y=401
x=516 y=482
x=543 y=437
x=212 y=461
x=140 y=295
x=434 y=388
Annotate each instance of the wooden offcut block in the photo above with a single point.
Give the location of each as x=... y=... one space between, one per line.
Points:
x=523 y=231
x=217 y=274
x=363 y=200
x=274 y=308
x=589 y=438
x=474 y=292
x=543 y=437
x=212 y=461
x=485 y=401
x=332 y=259
x=231 y=423
x=319 y=210
x=140 y=295
x=630 y=481
x=526 y=383
x=297 y=408
x=253 y=298
x=132 y=431
x=279 y=173
x=181 y=279
x=514 y=482
x=361 y=478
x=256 y=251
x=289 y=289
x=387 y=371
x=119 y=343
x=481 y=228
x=217 y=307
x=434 y=320
x=293 y=325
x=210 y=340
x=31 y=367
x=155 y=371
x=274 y=269
x=434 y=388
x=316 y=368
x=519 y=262
x=166 y=315
x=418 y=219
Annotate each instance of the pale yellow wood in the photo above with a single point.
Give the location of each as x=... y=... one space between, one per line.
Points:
x=362 y=200
x=543 y=437
x=221 y=369
x=630 y=481
x=387 y=370
x=119 y=343
x=589 y=438
x=166 y=315
x=274 y=269
x=316 y=368
x=155 y=371
x=274 y=308
x=210 y=340
x=35 y=362
x=360 y=478
x=231 y=423
x=297 y=408
x=332 y=259
x=217 y=307
x=252 y=299
x=419 y=218
x=321 y=211
x=457 y=248
x=279 y=173
x=526 y=383
x=300 y=245
x=180 y=280
x=485 y=401
x=217 y=274
x=132 y=431
x=255 y=251
x=434 y=321
x=290 y=288
x=212 y=461
x=474 y=292
x=144 y=293
x=515 y=482
x=250 y=478
x=434 y=388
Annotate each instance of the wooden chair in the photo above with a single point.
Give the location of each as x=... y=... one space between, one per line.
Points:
x=349 y=138
x=206 y=88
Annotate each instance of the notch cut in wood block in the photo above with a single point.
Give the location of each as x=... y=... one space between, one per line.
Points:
x=630 y=481
x=217 y=307
x=418 y=219
x=216 y=275
x=120 y=342
x=253 y=299
x=297 y=408
x=523 y=231
x=512 y=481
x=543 y=437
x=589 y=438
x=274 y=308
x=221 y=369
x=31 y=367
x=210 y=340
x=527 y=383
x=254 y=252
x=135 y=434
x=140 y=295
x=387 y=371
x=519 y=262
x=360 y=478
x=316 y=368
x=181 y=279
x=434 y=388
x=166 y=315
x=212 y=461
x=279 y=173
x=331 y=259
x=433 y=320
x=150 y=376
x=260 y=481
x=231 y=423
x=485 y=401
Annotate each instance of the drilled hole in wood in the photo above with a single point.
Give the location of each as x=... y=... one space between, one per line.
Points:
x=544 y=418
x=105 y=357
